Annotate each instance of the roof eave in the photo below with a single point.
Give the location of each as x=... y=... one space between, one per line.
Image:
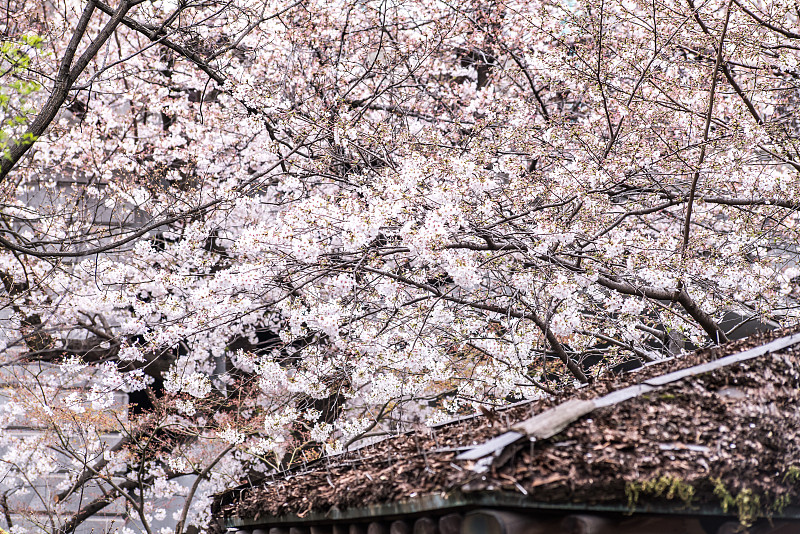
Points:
x=457 y=501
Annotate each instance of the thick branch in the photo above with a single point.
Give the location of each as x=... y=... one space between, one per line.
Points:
x=66 y=78
x=88 y=474
x=779 y=202
x=155 y=35
x=92 y=508
x=776 y=29
x=679 y=296
x=726 y=70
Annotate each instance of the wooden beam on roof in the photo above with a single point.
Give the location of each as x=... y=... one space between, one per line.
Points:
x=550 y=422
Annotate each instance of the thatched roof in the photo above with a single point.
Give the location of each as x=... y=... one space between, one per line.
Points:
x=726 y=438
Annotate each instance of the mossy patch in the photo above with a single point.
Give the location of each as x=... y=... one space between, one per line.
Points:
x=665 y=486
x=747 y=503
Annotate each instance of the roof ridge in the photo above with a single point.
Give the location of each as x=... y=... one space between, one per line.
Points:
x=554 y=420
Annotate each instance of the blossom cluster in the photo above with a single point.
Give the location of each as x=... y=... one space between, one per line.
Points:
x=377 y=214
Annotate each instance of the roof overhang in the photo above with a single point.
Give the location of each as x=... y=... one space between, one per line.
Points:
x=457 y=501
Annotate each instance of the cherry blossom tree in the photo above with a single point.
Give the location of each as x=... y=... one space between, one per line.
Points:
x=289 y=226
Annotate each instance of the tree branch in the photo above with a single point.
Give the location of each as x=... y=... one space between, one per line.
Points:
x=67 y=75
x=155 y=35
x=706 y=130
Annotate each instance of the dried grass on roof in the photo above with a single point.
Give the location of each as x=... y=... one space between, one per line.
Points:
x=739 y=425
